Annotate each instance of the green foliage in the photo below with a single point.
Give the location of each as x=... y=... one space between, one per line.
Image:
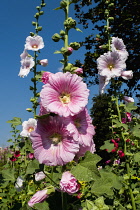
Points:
x=32 y=167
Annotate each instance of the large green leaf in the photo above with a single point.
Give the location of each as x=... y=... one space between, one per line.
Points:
x=130 y=106
x=8 y=174
x=86 y=170
x=32 y=166
x=136 y=130
x=108 y=145
x=42 y=206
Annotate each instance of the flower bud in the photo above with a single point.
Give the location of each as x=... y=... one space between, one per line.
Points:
x=44 y=62
x=111 y=18
x=43 y=5
x=36 y=15
x=32 y=34
x=70 y=23
x=75 y=45
x=63 y=4
x=38 y=7
x=56 y=37
x=33 y=23
x=41 y=12
x=62 y=33
x=39 y=28
x=29 y=109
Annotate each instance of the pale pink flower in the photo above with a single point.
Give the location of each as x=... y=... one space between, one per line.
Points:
x=128 y=115
x=34 y=43
x=84 y=149
x=28 y=127
x=42 y=110
x=78 y=71
x=80 y=126
x=118 y=45
x=110 y=64
x=127 y=75
x=70 y=50
x=39 y=176
x=69 y=183
x=64 y=94
x=45 y=77
x=38 y=197
x=52 y=143
x=44 y=62
x=103 y=81
x=24 y=54
x=128 y=99
x=23 y=72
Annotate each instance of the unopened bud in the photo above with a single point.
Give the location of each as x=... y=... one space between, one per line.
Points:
x=56 y=37
x=41 y=12
x=63 y=4
x=39 y=28
x=29 y=109
x=75 y=45
x=62 y=33
x=33 y=23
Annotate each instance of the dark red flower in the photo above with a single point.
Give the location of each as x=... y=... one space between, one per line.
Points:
x=17 y=154
x=13 y=159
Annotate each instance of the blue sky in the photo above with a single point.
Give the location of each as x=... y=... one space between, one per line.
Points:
x=15 y=24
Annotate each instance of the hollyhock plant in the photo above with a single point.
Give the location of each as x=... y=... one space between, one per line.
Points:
x=52 y=143
x=127 y=75
x=64 y=94
x=34 y=43
x=69 y=183
x=38 y=197
x=28 y=127
x=118 y=45
x=80 y=126
x=39 y=176
x=83 y=149
x=110 y=64
x=44 y=62
x=45 y=77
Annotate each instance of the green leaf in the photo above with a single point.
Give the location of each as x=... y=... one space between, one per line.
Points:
x=8 y=174
x=57 y=52
x=137 y=157
x=15 y=121
x=42 y=206
x=108 y=145
x=57 y=8
x=86 y=170
x=136 y=130
x=32 y=166
x=130 y=106
x=78 y=29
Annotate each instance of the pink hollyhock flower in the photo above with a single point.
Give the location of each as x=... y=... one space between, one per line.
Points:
x=31 y=156
x=128 y=99
x=42 y=110
x=52 y=143
x=84 y=149
x=116 y=162
x=129 y=118
x=26 y=65
x=24 y=54
x=69 y=183
x=103 y=81
x=78 y=71
x=46 y=76
x=38 y=197
x=118 y=45
x=39 y=176
x=34 y=43
x=17 y=154
x=80 y=126
x=64 y=94
x=124 y=121
x=13 y=159
x=127 y=75
x=28 y=127
x=44 y=62
x=110 y=65
x=70 y=50
x=108 y=161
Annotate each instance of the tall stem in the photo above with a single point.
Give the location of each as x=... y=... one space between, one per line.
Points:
x=35 y=89
x=108 y=33
x=66 y=34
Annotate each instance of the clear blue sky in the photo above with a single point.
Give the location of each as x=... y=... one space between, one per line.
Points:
x=15 y=25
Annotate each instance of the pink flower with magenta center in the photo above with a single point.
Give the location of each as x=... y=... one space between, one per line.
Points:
x=69 y=183
x=78 y=71
x=64 y=94
x=52 y=143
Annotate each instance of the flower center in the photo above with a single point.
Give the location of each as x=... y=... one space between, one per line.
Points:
x=77 y=123
x=34 y=46
x=56 y=138
x=65 y=98
x=110 y=66
x=30 y=129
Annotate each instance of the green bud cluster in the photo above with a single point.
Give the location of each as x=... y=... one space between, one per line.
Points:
x=63 y=4
x=70 y=23
x=75 y=45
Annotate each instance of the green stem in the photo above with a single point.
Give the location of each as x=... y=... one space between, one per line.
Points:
x=66 y=34
x=108 y=34
x=35 y=89
x=127 y=163
x=64 y=201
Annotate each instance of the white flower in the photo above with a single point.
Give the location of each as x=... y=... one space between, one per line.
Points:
x=103 y=81
x=118 y=45
x=26 y=64
x=39 y=176
x=23 y=72
x=19 y=184
x=127 y=75
x=34 y=43
x=24 y=54
x=28 y=127
x=44 y=62
x=128 y=99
